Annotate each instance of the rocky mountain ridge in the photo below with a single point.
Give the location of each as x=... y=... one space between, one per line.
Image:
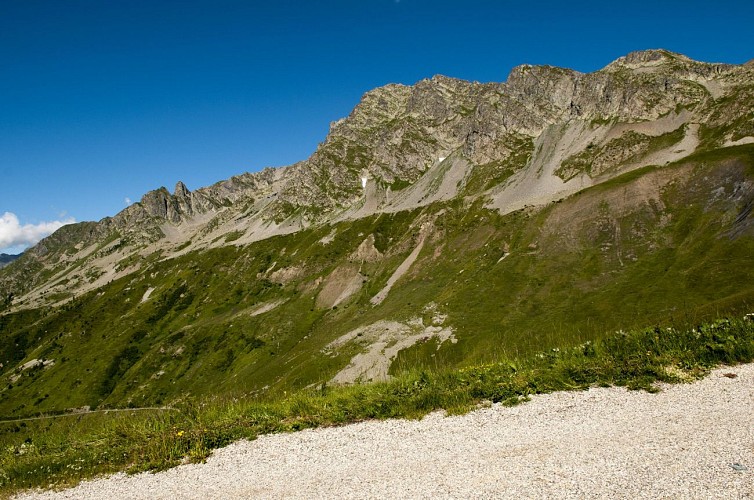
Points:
x=543 y=134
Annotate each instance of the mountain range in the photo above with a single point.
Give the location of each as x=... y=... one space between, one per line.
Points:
x=6 y=259
x=440 y=224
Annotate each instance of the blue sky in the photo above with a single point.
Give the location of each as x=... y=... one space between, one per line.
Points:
x=102 y=101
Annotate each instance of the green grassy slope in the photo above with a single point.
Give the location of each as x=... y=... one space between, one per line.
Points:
x=664 y=246
x=60 y=451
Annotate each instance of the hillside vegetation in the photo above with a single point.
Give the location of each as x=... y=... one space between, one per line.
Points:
x=444 y=229
x=57 y=452
x=649 y=247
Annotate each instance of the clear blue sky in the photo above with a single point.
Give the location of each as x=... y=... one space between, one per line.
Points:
x=103 y=100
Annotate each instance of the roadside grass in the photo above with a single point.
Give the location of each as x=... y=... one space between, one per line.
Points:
x=61 y=451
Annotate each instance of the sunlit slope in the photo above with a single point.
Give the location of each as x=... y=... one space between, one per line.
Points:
x=669 y=244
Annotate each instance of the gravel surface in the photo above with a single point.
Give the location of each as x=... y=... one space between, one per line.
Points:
x=689 y=441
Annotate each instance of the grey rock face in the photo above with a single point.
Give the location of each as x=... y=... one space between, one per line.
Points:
x=397 y=132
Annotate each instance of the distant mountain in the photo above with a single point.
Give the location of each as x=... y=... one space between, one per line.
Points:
x=6 y=259
x=439 y=224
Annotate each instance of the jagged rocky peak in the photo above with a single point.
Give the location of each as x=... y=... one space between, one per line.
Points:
x=650 y=57
x=527 y=75
x=445 y=83
x=440 y=98
x=375 y=107
x=545 y=85
x=398 y=131
x=161 y=204
x=668 y=63
x=155 y=202
x=181 y=190
x=430 y=100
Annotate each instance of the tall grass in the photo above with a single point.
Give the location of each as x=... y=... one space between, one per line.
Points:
x=58 y=452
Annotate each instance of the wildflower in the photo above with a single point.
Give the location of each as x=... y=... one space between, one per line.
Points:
x=180 y=433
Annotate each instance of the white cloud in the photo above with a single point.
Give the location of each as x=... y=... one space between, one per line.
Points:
x=127 y=200
x=13 y=234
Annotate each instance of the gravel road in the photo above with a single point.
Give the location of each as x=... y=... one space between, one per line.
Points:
x=688 y=441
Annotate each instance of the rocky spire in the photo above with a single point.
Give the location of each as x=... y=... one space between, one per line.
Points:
x=181 y=191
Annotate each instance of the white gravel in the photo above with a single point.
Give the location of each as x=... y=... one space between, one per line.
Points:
x=601 y=443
